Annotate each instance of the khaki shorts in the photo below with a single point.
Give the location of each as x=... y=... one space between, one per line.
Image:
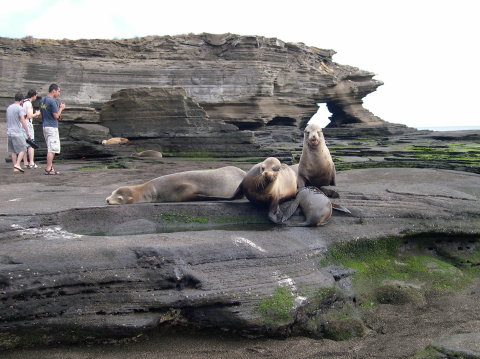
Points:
x=52 y=139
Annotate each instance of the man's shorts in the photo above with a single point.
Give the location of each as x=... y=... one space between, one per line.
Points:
x=52 y=139
x=16 y=143
x=30 y=130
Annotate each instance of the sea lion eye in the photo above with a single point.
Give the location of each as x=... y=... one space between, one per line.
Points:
x=276 y=168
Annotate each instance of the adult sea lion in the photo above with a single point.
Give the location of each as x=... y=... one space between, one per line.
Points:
x=149 y=154
x=316 y=167
x=316 y=207
x=267 y=184
x=182 y=186
x=115 y=141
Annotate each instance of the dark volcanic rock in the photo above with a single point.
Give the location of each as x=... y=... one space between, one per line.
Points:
x=73 y=269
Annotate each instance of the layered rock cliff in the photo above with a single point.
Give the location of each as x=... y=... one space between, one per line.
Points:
x=247 y=81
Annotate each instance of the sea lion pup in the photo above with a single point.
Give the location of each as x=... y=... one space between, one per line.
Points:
x=182 y=186
x=316 y=167
x=115 y=141
x=267 y=184
x=316 y=207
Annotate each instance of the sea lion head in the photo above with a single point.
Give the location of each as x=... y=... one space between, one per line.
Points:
x=313 y=135
x=122 y=195
x=268 y=171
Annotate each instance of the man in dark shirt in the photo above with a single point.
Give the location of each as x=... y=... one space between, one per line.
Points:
x=51 y=115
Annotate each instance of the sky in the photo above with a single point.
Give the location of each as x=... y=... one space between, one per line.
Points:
x=426 y=52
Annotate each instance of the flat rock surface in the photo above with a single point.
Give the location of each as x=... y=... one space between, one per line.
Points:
x=383 y=202
x=459 y=345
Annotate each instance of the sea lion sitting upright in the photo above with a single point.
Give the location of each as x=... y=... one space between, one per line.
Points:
x=267 y=184
x=316 y=167
x=181 y=187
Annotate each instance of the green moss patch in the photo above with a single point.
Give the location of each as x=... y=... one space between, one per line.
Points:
x=277 y=308
x=386 y=273
x=181 y=218
x=344 y=329
x=117 y=165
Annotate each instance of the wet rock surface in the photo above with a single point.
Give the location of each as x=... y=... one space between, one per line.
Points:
x=70 y=261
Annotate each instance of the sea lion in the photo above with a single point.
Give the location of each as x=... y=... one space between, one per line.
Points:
x=115 y=141
x=316 y=167
x=182 y=186
x=268 y=184
x=315 y=205
x=149 y=154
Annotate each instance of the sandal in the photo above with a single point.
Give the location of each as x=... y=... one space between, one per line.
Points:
x=20 y=169
x=34 y=166
x=51 y=172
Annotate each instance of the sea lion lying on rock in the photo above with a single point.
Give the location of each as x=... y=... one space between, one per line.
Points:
x=182 y=186
x=316 y=207
x=268 y=184
x=316 y=167
x=115 y=141
x=149 y=154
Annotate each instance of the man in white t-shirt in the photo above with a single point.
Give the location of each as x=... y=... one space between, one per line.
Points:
x=28 y=159
x=16 y=130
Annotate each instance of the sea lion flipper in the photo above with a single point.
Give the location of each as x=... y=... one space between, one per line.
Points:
x=275 y=212
x=301 y=182
x=291 y=209
x=340 y=208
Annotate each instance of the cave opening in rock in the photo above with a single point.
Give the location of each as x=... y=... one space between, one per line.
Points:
x=282 y=121
x=323 y=115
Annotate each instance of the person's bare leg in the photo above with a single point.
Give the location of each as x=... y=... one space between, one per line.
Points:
x=17 y=160
x=30 y=153
x=25 y=158
x=50 y=157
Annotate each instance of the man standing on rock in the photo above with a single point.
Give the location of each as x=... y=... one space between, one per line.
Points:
x=16 y=136
x=51 y=115
x=28 y=159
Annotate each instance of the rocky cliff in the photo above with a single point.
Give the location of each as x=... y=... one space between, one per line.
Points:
x=252 y=82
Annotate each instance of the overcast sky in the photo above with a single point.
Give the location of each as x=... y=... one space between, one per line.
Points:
x=425 y=51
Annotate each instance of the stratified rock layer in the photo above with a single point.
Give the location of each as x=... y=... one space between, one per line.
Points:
x=247 y=80
x=167 y=119
x=252 y=82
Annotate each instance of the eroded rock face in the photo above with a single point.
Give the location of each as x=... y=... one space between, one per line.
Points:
x=246 y=81
x=165 y=118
